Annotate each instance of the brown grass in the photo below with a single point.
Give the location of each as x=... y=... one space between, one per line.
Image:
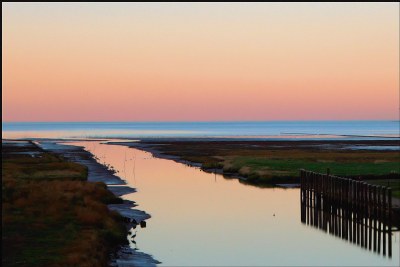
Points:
x=52 y=217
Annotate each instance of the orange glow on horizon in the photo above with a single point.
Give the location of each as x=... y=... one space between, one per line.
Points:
x=189 y=62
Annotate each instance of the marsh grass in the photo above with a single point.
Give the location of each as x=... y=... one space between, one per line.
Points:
x=52 y=216
x=272 y=162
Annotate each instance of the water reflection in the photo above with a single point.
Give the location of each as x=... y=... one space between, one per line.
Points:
x=204 y=219
x=364 y=227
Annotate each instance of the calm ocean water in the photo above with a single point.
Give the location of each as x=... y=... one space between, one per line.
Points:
x=259 y=129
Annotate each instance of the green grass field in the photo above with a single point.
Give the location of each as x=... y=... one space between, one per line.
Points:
x=274 y=162
x=291 y=167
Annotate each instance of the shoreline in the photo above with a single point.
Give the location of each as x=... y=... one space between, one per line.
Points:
x=158 y=153
x=155 y=147
x=97 y=172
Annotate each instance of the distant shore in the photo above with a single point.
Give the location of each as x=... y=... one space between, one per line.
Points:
x=376 y=165
x=266 y=163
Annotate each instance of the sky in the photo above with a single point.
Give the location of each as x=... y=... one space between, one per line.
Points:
x=200 y=61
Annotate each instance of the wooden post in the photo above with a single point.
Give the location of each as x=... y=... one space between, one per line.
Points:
x=379 y=218
x=325 y=203
x=315 y=182
x=358 y=211
x=350 y=205
x=384 y=217
x=370 y=213
x=365 y=214
x=375 y=216
x=341 y=228
x=310 y=196
x=346 y=184
x=347 y=208
x=361 y=212
x=390 y=222
x=306 y=194
x=354 y=212
x=320 y=177
x=302 y=196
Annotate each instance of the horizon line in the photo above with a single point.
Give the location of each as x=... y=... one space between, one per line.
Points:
x=201 y=121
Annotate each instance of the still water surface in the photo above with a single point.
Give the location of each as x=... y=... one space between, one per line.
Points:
x=248 y=129
x=202 y=219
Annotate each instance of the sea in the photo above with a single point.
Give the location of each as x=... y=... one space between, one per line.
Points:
x=361 y=129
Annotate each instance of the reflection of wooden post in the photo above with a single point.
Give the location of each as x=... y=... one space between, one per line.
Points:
x=337 y=212
x=346 y=206
x=333 y=206
x=320 y=177
x=358 y=212
x=354 y=211
x=310 y=190
x=375 y=216
x=370 y=210
x=325 y=202
x=302 y=195
x=357 y=221
x=379 y=218
x=344 y=211
x=365 y=214
x=341 y=208
x=384 y=217
x=363 y=237
x=390 y=222
x=362 y=213
x=306 y=195
x=337 y=209
x=308 y=198
x=315 y=181
x=350 y=205
x=329 y=208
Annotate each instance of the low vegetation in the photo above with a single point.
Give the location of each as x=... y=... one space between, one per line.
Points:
x=272 y=162
x=51 y=216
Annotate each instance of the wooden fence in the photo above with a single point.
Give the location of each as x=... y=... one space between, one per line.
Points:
x=351 y=209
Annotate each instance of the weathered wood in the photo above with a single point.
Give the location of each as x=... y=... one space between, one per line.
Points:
x=370 y=216
x=379 y=188
x=365 y=214
x=390 y=222
x=361 y=211
x=353 y=210
x=384 y=221
x=375 y=214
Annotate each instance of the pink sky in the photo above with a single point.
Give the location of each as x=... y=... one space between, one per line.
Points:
x=173 y=62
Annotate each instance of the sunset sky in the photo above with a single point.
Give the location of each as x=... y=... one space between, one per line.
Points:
x=199 y=62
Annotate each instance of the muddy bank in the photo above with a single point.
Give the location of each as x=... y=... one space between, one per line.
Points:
x=97 y=172
x=51 y=214
x=160 y=154
x=277 y=163
x=173 y=151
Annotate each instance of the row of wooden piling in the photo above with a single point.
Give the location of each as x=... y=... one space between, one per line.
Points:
x=351 y=209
